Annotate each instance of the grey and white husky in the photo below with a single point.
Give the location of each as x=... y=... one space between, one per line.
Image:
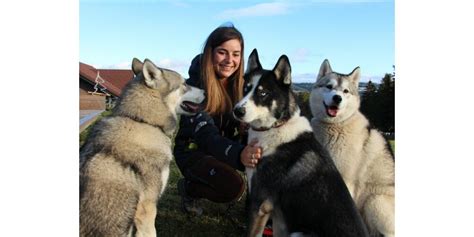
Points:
x=124 y=164
x=360 y=152
x=295 y=182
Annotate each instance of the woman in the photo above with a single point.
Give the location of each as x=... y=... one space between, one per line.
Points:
x=209 y=147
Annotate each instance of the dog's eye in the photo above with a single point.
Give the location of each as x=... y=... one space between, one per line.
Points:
x=346 y=91
x=329 y=87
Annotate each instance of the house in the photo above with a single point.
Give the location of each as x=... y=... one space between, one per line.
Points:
x=98 y=87
x=99 y=90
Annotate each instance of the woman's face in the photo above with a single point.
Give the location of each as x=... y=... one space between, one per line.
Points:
x=226 y=58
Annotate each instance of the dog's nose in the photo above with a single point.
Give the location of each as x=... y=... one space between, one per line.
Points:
x=337 y=99
x=239 y=112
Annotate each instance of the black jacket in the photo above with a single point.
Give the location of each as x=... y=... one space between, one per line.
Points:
x=219 y=138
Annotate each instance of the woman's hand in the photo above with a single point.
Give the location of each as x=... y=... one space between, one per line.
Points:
x=251 y=154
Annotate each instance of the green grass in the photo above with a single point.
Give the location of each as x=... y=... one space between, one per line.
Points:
x=215 y=220
x=392 y=144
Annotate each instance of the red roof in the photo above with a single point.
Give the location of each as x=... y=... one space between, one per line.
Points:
x=114 y=79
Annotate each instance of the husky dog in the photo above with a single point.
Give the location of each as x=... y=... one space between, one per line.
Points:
x=296 y=182
x=124 y=165
x=361 y=154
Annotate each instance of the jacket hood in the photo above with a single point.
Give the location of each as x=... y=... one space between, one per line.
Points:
x=195 y=72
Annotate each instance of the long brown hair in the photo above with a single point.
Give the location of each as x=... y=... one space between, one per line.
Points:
x=218 y=99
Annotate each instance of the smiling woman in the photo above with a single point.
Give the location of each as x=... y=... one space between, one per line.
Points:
x=211 y=146
x=222 y=64
x=226 y=58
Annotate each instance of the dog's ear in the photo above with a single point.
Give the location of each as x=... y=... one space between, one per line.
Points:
x=152 y=74
x=282 y=70
x=355 y=76
x=253 y=62
x=137 y=66
x=324 y=70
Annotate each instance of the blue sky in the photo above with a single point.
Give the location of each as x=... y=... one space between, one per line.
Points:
x=349 y=33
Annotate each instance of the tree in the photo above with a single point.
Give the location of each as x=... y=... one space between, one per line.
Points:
x=302 y=99
x=386 y=95
x=369 y=102
x=378 y=104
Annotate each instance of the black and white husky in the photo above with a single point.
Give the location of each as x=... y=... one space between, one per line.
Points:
x=296 y=183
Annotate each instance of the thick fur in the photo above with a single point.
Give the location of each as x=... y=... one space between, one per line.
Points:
x=361 y=154
x=124 y=164
x=295 y=183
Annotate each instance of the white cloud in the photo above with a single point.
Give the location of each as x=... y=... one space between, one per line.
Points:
x=262 y=9
x=300 y=55
x=122 y=65
x=175 y=65
x=282 y=7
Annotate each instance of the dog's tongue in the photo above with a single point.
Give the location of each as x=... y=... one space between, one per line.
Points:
x=192 y=106
x=332 y=111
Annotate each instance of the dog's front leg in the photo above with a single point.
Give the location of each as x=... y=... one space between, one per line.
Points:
x=260 y=218
x=379 y=210
x=145 y=219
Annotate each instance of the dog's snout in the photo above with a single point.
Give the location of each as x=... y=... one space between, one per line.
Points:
x=337 y=99
x=239 y=112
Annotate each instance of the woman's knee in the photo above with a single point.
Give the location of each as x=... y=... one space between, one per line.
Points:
x=227 y=184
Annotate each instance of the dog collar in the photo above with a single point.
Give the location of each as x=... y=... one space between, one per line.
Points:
x=275 y=125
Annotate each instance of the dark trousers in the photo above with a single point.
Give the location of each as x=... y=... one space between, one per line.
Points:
x=207 y=177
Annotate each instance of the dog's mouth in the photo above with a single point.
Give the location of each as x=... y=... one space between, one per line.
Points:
x=191 y=107
x=331 y=110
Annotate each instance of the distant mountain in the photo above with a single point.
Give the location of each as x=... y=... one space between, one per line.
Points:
x=306 y=87
x=302 y=86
